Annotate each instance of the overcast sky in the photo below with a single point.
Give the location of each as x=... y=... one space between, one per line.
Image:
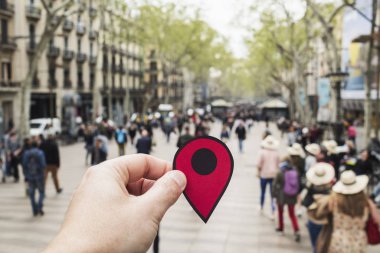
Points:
x=226 y=15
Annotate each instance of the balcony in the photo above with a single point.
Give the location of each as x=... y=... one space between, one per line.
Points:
x=54 y=21
x=122 y=69
x=93 y=60
x=81 y=29
x=114 y=69
x=80 y=84
x=8 y=44
x=53 y=83
x=67 y=84
x=93 y=12
x=7 y=9
x=81 y=58
x=68 y=26
x=68 y=55
x=33 y=12
x=9 y=84
x=53 y=52
x=93 y=35
x=36 y=82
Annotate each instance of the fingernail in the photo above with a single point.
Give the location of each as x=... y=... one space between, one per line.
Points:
x=179 y=178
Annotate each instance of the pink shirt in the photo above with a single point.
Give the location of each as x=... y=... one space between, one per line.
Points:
x=268 y=163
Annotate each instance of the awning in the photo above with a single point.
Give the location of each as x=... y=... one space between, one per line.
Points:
x=273 y=103
x=353 y=105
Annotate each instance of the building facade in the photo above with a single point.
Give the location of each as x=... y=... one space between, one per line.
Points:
x=88 y=68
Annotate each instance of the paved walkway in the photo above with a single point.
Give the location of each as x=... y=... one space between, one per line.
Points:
x=236 y=224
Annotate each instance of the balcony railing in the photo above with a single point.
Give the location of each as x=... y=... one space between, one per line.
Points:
x=93 y=35
x=53 y=52
x=67 y=83
x=81 y=29
x=9 y=84
x=81 y=58
x=53 y=83
x=68 y=55
x=7 y=9
x=122 y=69
x=8 y=43
x=33 y=12
x=80 y=84
x=93 y=60
x=93 y=12
x=68 y=25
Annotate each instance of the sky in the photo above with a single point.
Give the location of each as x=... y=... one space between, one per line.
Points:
x=227 y=17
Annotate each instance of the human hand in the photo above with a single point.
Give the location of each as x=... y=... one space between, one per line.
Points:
x=119 y=205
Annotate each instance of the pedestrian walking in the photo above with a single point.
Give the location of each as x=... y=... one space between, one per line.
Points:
x=313 y=150
x=351 y=132
x=320 y=178
x=14 y=151
x=345 y=214
x=89 y=142
x=241 y=133
x=363 y=165
x=34 y=163
x=225 y=134
x=26 y=146
x=51 y=150
x=121 y=140
x=98 y=154
x=297 y=158
x=285 y=191
x=144 y=144
x=267 y=166
x=132 y=130
x=332 y=155
x=185 y=138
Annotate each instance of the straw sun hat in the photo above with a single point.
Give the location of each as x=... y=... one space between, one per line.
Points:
x=320 y=174
x=270 y=143
x=331 y=146
x=313 y=149
x=350 y=184
x=296 y=150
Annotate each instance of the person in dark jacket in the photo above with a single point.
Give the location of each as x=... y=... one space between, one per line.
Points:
x=185 y=138
x=89 y=142
x=132 y=130
x=363 y=165
x=144 y=144
x=241 y=134
x=98 y=153
x=33 y=161
x=51 y=151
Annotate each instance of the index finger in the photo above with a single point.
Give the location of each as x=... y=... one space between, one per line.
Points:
x=132 y=168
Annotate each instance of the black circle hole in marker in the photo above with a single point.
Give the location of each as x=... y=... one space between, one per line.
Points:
x=204 y=161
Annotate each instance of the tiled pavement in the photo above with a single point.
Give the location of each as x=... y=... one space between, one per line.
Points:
x=236 y=225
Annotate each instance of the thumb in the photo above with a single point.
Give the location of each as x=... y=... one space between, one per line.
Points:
x=164 y=193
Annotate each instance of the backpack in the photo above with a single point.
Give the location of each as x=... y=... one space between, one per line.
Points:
x=33 y=163
x=120 y=136
x=291 y=185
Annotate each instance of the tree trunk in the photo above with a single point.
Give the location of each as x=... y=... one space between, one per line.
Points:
x=368 y=86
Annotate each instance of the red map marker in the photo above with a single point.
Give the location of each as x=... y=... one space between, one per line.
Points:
x=208 y=166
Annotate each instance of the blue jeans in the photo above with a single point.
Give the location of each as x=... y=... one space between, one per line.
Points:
x=263 y=184
x=36 y=184
x=241 y=145
x=314 y=230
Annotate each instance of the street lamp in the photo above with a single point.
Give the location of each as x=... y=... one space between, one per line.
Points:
x=336 y=79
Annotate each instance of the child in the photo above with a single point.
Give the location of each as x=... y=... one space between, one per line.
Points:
x=285 y=191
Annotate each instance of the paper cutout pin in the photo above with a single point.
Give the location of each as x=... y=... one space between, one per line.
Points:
x=208 y=166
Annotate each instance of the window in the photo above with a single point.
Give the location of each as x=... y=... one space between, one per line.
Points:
x=92 y=78
x=91 y=48
x=66 y=42
x=80 y=77
x=79 y=45
x=52 y=80
x=32 y=36
x=6 y=71
x=4 y=31
x=66 y=77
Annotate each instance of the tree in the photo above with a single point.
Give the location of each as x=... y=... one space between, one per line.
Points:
x=55 y=13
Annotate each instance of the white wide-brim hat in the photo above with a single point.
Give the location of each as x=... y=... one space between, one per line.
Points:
x=350 y=184
x=296 y=150
x=331 y=146
x=270 y=143
x=313 y=149
x=320 y=174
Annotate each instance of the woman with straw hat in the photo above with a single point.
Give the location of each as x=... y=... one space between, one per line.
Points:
x=313 y=150
x=267 y=166
x=319 y=182
x=345 y=214
x=333 y=156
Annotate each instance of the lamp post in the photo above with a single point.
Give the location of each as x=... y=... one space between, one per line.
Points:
x=336 y=79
